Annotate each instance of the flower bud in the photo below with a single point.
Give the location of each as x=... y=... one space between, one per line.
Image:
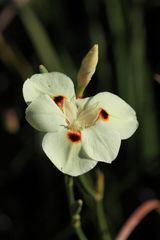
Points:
x=87 y=69
x=43 y=69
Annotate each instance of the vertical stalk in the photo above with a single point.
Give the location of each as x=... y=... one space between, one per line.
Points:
x=97 y=194
x=101 y=218
x=75 y=208
x=143 y=88
x=39 y=38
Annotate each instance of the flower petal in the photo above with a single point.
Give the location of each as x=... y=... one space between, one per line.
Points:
x=87 y=114
x=44 y=115
x=65 y=154
x=82 y=102
x=121 y=117
x=70 y=111
x=125 y=126
x=52 y=84
x=100 y=142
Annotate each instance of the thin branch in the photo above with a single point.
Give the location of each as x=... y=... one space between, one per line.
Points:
x=75 y=208
x=97 y=193
x=87 y=186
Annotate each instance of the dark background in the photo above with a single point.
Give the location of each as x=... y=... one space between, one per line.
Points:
x=33 y=202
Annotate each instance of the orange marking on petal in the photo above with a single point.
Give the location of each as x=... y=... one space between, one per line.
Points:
x=74 y=136
x=103 y=115
x=59 y=100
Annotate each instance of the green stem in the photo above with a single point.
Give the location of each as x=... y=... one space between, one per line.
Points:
x=69 y=188
x=80 y=233
x=14 y=59
x=97 y=194
x=75 y=208
x=101 y=219
x=39 y=38
x=87 y=186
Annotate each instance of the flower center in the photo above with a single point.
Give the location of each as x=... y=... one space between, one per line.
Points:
x=78 y=118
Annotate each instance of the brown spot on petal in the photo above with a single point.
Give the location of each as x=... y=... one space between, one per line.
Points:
x=59 y=100
x=103 y=115
x=74 y=136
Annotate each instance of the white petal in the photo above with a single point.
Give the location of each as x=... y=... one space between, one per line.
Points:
x=113 y=104
x=52 y=84
x=101 y=143
x=44 y=115
x=88 y=116
x=82 y=102
x=122 y=117
x=125 y=126
x=70 y=111
x=66 y=155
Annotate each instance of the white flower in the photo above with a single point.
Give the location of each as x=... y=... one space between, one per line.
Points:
x=79 y=132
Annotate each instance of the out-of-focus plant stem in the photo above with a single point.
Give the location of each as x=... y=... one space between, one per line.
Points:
x=120 y=48
x=6 y=16
x=39 y=38
x=97 y=195
x=75 y=208
x=97 y=35
x=143 y=89
x=14 y=60
x=101 y=218
x=134 y=83
x=87 y=186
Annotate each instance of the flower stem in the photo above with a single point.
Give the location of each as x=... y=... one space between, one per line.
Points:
x=80 y=233
x=75 y=208
x=87 y=186
x=97 y=194
x=101 y=219
x=39 y=38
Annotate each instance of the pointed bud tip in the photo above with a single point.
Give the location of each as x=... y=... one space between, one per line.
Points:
x=42 y=69
x=95 y=46
x=94 y=49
